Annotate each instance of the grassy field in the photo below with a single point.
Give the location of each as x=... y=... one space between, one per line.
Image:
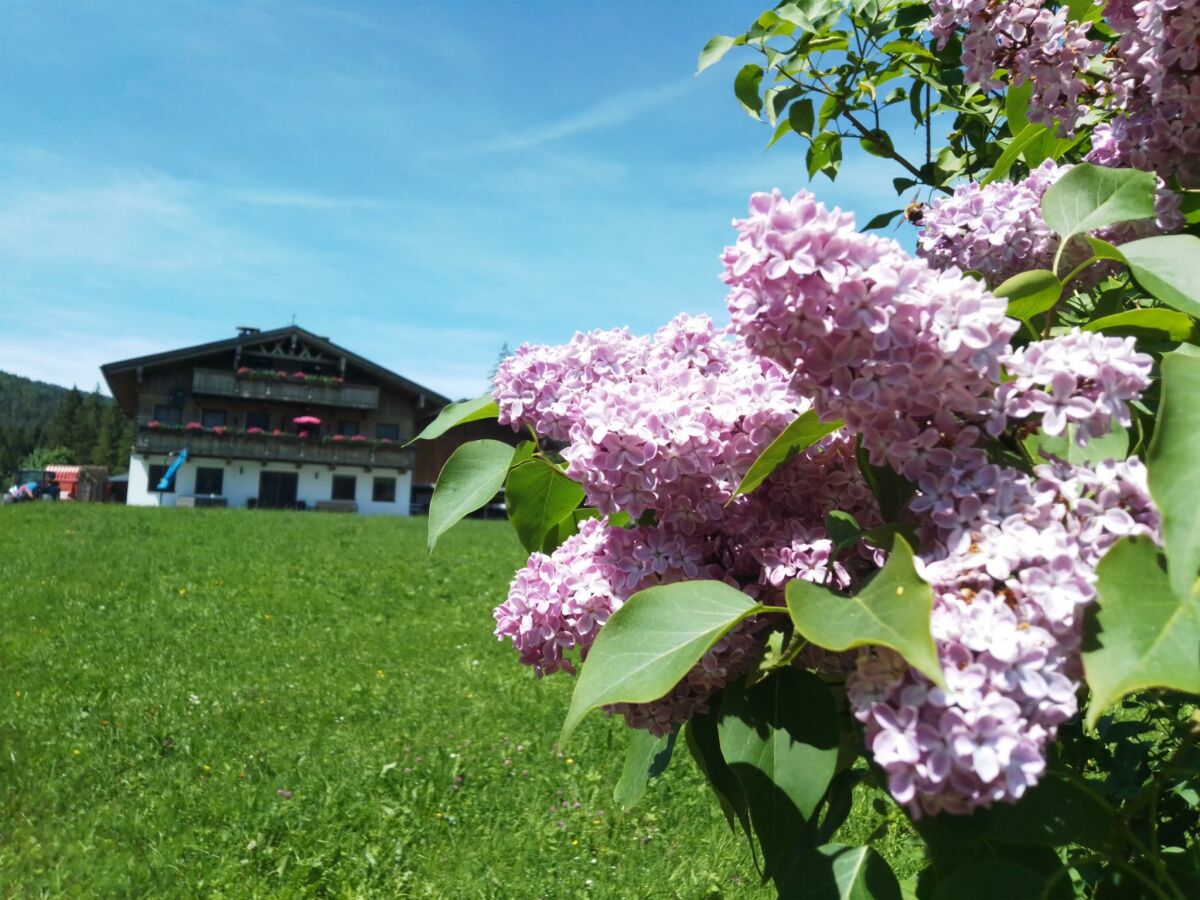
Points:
x=229 y=703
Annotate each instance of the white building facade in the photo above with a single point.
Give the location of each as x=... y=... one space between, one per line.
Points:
x=283 y=419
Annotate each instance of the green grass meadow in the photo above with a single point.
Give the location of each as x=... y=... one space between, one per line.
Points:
x=230 y=703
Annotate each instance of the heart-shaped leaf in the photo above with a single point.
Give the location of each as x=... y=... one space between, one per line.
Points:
x=1143 y=634
x=1168 y=267
x=891 y=611
x=651 y=642
x=1090 y=197
x=538 y=496
x=472 y=476
x=780 y=738
x=459 y=414
x=839 y=872
x=1174 y=476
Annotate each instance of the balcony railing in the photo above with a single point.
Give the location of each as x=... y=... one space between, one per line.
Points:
x=269 y=448
x=226 y=384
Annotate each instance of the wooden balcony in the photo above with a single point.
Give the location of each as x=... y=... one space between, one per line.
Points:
x=269 y=448
x=218 y=383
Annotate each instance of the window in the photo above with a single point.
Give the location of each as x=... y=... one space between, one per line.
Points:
x=213 y=418
x=169 y=415
x=347 y=429
x=387 y=431
x=384 y=490
x=258 y=420
x=209 y=481
x=157 y=472
x=344 y=487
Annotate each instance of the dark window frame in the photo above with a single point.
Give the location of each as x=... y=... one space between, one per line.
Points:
x=340 y=480
x=168 y=414
x=258 y=420
x=206 y=472
x=347 y=428
x=383 y=486
x=389 y=431
x=214 y=418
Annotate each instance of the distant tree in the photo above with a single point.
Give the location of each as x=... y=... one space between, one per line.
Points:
x=113 y=441
x=46 y=456
x=87 y=427
x=64 y=430
x=505 y=353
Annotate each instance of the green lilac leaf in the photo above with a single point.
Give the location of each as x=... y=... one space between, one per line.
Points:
x=839 y=872
x=1142 y=633
x=459 y=414
x=538 y=496
x=990 y=880
x=652 y=641
x=793 y=440
x=746 y=86
x=646 y=757
x=705 y=747
x=891 y=611
x=780 y=738
x=1013 y=151
x=1173 y=465
x=1090 y=197
x=472 y=476
x=714 y=51
x=1057 y=811
x=1030 y=293
x=1168 y=267
x=1153 y=324
x=1113 y=445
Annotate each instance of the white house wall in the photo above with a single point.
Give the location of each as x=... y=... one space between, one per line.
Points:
x=240 y=483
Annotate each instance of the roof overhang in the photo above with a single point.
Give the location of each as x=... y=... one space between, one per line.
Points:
x=124 y=375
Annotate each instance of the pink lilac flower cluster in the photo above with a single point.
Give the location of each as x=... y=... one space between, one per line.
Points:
x=1032 y=43
x=911 y=358
x=557 y=604
x=668 y=424
x=996 y=230
x=1154 y=89
x=1079 y=378
x=897 y=350
x=1007 y=620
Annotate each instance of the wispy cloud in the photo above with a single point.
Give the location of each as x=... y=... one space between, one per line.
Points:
x=607 y=113
x=81 y=366
x=302 y=200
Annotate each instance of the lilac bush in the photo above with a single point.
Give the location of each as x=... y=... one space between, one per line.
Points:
x=902 y=517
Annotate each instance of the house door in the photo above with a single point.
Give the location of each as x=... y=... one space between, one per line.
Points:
x=277 y=490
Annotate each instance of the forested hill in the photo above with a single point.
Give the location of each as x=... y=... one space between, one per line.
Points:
x=43 y=423
x=24 y=401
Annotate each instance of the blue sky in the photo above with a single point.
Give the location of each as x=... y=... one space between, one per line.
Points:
x=421 y=182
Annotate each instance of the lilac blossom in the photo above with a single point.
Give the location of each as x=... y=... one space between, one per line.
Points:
x=910 y=358
x=1079 y=378
x=1032 y=43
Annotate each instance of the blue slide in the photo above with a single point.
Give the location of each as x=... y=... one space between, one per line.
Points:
x=165 y=482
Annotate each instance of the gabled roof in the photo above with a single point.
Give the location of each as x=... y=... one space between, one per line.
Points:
x=122 y=375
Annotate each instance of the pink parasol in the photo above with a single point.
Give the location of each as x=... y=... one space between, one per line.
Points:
x=306 y=420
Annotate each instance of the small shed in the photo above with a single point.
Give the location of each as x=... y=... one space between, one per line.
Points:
x=85 y=483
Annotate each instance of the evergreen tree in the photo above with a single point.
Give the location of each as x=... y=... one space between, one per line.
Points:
x=114 y=440
x=87 y=429
x=64 y=430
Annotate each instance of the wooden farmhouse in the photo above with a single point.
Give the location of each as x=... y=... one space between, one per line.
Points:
x=272 y=419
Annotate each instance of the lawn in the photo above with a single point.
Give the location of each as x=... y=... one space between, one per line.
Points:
x=230 y=703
